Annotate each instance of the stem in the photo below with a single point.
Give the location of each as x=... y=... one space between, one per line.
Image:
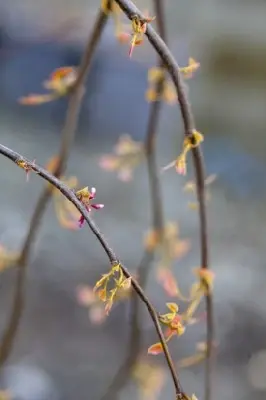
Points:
x=124 y=371
x=70 y=195
x=199 y=169
x=156 y=198
x=68 y=133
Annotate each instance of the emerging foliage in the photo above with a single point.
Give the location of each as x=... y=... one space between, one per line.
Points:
x=110 y=286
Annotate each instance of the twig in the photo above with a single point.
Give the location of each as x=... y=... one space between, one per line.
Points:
x=199 y=169
x=124 y=371
x=70 y=195
x=68 y=134
x=156 y=198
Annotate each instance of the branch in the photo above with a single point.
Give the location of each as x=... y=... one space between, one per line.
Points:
x=123 y=374
x=156 y=197
x=199 y=169
x=68 y=133
x=70 y=195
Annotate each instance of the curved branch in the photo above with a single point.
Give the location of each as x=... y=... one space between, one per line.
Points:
x=70 y=195
x=123 y=374
x=199 y=169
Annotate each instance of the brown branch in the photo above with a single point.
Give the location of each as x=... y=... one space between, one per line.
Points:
x=70 y=195
x=123 y=373
x=156 y=197
x=68 y=133
x=199 y=169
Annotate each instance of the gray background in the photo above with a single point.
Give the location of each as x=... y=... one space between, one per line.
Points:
x=59 y=354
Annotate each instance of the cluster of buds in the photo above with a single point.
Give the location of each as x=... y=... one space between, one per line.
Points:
x=190 y=142
x=59 y=84
x=168 y=92
x=169 y=247
x=7 y=258
x=174 y=324
x=122 y=32
x=149 y=377
x=85 y=197
x=128 y=154
x=139 y=27
x=202 y=287
x=189 y=70
x=191 y=187
x=120 y=283
x=26 y=166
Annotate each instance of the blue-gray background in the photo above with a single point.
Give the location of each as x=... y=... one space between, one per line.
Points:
x=59 y=354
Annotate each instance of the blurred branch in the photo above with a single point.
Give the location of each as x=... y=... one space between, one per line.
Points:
x=68 y=134
x=155 y=190
x=123 y=374
x=71 y=196
x=171 y=65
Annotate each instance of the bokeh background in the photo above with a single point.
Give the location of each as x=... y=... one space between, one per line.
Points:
x=59 y=353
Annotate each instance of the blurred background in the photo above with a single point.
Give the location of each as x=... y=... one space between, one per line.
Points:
x=60 y=353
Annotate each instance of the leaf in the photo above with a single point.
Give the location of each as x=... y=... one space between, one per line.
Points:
x=193 y=205
x=194 y=290
x=97 y=314
x=173 y=307
x=166 y=278
x=149 y=378
x=151 y=240
x=102 y=294
x=62 y=72
x=191 y=308
x=169 y=333
x=206 y=275
x=85 y=295
x=181 y=248
x=154 y=74
x=169 y=94
x=191 y=360
x=7 y=258
x=126 y=284
x=151 y=95
x=36 y=99
x=155 y=349
x=66 y=218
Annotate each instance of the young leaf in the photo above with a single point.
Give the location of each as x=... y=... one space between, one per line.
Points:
x=155 y=349
x=173 y=307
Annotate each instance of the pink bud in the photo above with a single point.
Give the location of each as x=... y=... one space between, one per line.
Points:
x=81 y=221
x=92 y=193
x=97 y=206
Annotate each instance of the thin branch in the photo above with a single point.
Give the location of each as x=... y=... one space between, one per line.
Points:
x=156 y=197
x=70 y=195
x=68 y=134
x=199 y=169
x=123 y=374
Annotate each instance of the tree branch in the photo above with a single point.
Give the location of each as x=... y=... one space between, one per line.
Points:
x=199 y=169
x=68 y=133
x=70 y=195
x=143 y=270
